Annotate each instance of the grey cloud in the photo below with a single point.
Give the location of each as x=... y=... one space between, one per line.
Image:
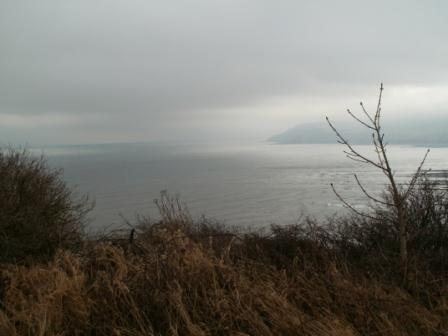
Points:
x=155 y=63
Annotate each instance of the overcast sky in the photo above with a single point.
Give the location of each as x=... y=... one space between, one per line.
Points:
x=94 y=71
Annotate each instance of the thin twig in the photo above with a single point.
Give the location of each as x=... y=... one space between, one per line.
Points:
x=359 y=120
x=368 y=195
x=416 y=175
x=345 y=142
x=344 y=202
x=366 y=113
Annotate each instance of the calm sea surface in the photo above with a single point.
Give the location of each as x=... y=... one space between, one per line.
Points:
x=249 y=185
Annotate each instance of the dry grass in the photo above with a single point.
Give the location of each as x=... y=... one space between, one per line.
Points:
x=168 y=283
x=180 y=277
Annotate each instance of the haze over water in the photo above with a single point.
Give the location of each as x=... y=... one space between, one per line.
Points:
x=247 y=185
x=83 y=72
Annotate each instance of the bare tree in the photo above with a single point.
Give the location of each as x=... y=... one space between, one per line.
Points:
x=399 y=193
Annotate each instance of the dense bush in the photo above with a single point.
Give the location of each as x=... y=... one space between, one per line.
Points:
x=38 y=211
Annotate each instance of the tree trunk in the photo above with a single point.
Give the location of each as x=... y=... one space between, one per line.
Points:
x=403 y=243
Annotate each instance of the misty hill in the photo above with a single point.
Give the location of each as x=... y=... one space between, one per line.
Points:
x=419 y=132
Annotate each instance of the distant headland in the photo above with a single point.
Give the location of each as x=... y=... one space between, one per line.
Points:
x=416 y=132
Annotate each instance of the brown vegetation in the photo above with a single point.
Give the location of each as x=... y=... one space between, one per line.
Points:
x=39 y=213
x=180 y=277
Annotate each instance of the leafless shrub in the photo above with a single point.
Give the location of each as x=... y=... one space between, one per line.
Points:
x=395 y=204
x=38 y=212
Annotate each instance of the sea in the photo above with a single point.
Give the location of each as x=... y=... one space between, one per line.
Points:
x=248 y=185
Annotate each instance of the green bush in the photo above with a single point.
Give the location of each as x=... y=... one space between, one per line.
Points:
x=38 y=211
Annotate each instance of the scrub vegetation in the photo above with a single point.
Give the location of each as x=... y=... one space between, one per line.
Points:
x=178 y=276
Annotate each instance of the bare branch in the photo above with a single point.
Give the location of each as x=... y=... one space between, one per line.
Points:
x=354 y=157
x=416 y=175
x=366 y=113
x=378 y=107
x=368 y=195
x=347 y=205
x=359 y=120
x=378 y=151
x=352 y=150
